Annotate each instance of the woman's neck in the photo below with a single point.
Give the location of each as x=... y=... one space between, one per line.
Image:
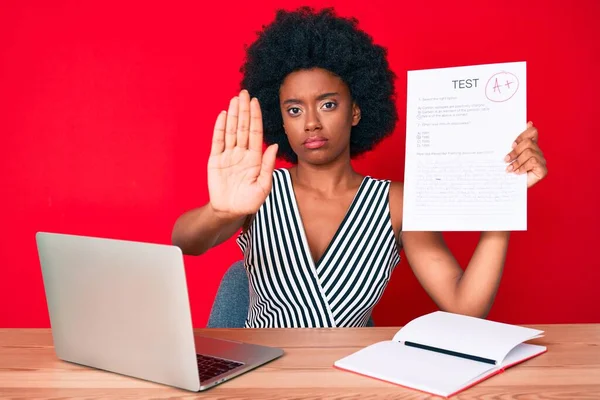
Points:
x=327 y=180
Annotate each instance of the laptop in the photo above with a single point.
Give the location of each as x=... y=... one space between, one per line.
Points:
x=122 y=306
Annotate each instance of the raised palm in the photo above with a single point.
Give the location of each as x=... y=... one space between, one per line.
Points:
x=239 y=174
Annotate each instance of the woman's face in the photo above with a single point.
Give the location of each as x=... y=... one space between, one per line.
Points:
x=318 y=115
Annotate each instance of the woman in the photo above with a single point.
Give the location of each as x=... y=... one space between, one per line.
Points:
x=319 y=240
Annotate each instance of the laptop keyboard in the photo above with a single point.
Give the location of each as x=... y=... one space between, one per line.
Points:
x=209 y=367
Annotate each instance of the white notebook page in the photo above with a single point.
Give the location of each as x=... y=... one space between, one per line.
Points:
x=415 y=368
x=464 y=334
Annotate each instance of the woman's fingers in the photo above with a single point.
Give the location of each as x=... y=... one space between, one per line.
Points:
x=218 y=141
x=530 y=133
x=520 y=148
x=256 y=126
x=522 y=158
x=265 y=177
x=534 y=164
x=243 y=125
x=232 y=121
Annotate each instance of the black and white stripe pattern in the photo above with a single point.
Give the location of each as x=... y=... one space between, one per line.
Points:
x=288 y=290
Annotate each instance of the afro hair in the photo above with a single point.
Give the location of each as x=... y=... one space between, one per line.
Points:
x=305 y=39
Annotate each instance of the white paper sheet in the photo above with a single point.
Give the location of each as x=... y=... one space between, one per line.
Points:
x=460 y=124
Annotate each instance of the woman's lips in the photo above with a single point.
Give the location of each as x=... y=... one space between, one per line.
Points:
x=315 y=143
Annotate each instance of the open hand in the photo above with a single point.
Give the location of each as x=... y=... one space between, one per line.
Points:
x=239 y=175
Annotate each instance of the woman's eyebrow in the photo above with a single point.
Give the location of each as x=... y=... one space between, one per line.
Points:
x=319 y=97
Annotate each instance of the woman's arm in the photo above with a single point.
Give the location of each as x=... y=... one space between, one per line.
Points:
x=200 y=229
x=469 y=292
x=472 y=291
x=240 y=178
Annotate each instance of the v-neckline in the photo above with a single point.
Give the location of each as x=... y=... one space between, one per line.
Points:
x=300 y=222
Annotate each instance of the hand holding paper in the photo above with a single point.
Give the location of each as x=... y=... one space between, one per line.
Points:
x=527 y=157
x=461 y=123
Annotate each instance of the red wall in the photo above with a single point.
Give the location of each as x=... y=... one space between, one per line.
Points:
x=106 y=114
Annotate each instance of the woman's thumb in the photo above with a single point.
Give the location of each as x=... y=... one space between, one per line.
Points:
x=268 y=165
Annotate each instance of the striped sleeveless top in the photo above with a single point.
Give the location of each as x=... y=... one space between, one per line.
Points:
x=288 y=290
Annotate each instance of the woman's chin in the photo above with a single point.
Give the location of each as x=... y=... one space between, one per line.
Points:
x=319 y=157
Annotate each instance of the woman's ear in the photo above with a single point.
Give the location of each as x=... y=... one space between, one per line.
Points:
x=355 y=114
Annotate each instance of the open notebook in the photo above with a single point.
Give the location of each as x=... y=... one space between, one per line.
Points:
x=443 y=353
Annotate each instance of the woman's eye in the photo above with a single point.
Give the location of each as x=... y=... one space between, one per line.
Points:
x=294 y=111
x=329 y=105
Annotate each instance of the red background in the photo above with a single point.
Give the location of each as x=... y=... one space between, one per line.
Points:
x=107 y=110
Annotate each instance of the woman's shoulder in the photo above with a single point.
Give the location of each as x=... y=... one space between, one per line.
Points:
x=279 y=176
x=396 y=206
x=396 y=192
x=395 y=196
x=281 y=173
x=396 y=187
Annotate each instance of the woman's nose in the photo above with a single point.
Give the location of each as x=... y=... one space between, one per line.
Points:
x=312 y=121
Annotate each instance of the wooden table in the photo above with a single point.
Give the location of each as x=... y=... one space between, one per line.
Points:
x=570 y=369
